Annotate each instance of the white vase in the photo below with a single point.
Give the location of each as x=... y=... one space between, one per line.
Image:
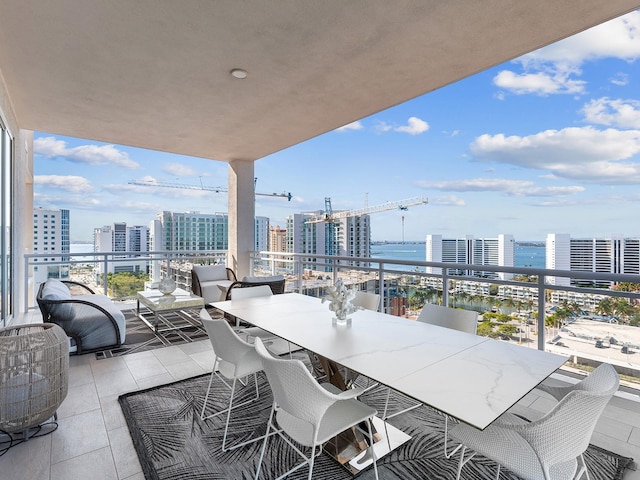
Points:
x=167 y=286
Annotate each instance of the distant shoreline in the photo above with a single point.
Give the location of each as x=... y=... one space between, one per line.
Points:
x=524 y=243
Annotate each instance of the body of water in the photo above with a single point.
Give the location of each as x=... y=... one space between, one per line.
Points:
x=527 y=255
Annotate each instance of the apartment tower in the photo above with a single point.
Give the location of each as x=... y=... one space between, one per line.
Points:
x=497 y=252
x=50 y=237
x=615 y=254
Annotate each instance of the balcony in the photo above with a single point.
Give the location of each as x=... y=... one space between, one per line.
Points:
x=54 y=77
x=96 y=384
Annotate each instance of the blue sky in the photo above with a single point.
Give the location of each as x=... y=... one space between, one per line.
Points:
x=547 y=143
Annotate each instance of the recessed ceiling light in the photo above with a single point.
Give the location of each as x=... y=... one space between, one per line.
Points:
x=239 y=73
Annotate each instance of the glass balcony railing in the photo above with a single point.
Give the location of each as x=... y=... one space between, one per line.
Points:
x=589 y=317
x=117 y=274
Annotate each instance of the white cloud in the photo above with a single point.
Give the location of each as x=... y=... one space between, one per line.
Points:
x=548 y=191
x=585 y=153
x=357 y=125
x=69 y=183
x=620 y=79
x=180 y=170
x=541 y=83
x=50 y=147
x=515 y=188
x=447 y=201
x=617 y=38
x=552 y=69
x=67 y=201
x=383 y=127
x=415 y=126
x=478 y=185
x=619 y=113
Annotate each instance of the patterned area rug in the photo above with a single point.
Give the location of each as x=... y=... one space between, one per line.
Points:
x=141 y=338
x=173 y=443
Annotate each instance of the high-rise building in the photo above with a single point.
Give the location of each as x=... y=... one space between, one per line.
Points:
x=349 y=236
x=50 y=237
x=121 y=238
x=278 y=242
x=615 y=254
x=306 y=238
x=354 y=238
x=471 y=251
x=180 y=231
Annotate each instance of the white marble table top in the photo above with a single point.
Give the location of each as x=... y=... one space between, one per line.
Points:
x=475 y=379
x=156 y=301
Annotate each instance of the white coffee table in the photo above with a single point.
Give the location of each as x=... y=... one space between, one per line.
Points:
x=159 y=304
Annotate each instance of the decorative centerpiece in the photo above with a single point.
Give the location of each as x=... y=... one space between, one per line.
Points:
x=167 y=286
x=340 y=298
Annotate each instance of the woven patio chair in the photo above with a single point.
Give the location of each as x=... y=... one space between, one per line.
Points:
x=235 y=359
x=307 y=412
x=550 y=448
x=34 y=375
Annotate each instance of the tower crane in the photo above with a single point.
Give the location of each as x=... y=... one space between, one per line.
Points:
x=144 y=183
x=329 y=216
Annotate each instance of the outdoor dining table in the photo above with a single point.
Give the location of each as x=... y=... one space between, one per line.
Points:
x=472 y=378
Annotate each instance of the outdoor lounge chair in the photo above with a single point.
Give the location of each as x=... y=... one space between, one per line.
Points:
x=211 y=281
x=92 y=321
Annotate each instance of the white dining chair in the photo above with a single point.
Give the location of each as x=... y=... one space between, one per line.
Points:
x=366 y=300
x=307 y=412
x=590 y=382
x=550 y=448
x=251 y=333
x=235 y=359
x=455 y=319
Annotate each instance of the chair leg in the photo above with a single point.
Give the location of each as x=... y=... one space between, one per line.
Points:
x=206 y=397
x=226 y=425
x=311 y=461
x=463 y=462
x=371 y=445
x=446 y=438
x=583 y=469
x=264 y=443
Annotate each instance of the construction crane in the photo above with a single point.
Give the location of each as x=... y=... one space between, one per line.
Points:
x=147 y=183
x=329 y=216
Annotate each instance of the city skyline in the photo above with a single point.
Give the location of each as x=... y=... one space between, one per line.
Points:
x=549 y=142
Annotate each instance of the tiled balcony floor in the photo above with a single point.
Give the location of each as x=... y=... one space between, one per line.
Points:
x=93 y=441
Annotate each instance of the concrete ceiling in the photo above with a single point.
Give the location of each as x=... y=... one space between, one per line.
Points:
x=155 y=73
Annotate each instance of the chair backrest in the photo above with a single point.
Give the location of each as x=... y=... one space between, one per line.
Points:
x=454 y=318
x=564 y=433
x=366 y=300
x=294 y=389
x=226 y=344
x=251 y=292
x=276 y=283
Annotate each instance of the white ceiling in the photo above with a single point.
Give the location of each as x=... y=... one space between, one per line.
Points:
x=155 y=73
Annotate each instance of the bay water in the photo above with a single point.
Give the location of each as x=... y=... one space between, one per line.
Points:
x=526 y=254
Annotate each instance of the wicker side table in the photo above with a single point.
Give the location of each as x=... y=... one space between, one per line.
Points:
x=34 y=375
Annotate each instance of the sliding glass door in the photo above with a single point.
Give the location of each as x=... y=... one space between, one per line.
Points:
x=6 y=217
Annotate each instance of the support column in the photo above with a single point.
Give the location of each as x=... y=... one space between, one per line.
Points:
x=241 y=217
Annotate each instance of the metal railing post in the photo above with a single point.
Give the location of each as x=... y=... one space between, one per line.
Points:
x=445 y=288
x=383 y=291
x=105 y=281
x=26 y=284
x=541 y=311
x=298 y=261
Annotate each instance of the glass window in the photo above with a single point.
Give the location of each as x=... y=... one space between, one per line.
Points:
x=6 y=214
